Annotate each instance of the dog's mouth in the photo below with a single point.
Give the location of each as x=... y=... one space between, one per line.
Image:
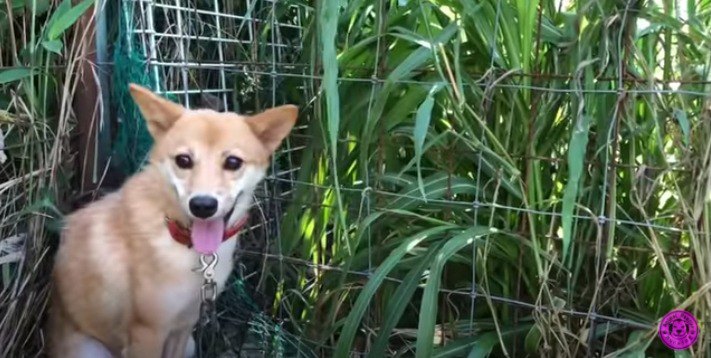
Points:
x=228 y=215
x=207 y=235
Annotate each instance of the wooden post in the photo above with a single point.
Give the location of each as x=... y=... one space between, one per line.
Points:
x=90 y=101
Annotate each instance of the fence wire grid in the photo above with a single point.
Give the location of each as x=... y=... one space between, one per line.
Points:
x=211 y=53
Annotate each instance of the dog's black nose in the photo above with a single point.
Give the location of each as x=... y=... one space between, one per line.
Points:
x=203 y=206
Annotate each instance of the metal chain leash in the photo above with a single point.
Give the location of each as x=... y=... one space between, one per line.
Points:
x=208 y=325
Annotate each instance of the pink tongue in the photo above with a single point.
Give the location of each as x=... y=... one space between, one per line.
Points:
x=207 y=235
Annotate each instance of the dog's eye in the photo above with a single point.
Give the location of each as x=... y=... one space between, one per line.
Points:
x=233 y=163
x=183 y=161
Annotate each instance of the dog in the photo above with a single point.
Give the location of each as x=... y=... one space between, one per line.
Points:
x=123 y=281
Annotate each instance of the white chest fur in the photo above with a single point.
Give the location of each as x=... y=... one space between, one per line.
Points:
x=175 y=302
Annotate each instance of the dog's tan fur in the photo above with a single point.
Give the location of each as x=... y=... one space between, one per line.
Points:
x=121 y=285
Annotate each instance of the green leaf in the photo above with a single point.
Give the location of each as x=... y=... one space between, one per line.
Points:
x=395 y=308
x=352 y=322
x=53 y=46
x=61 y=9
x=637 y=345
x=479 y=346
x=63 y=19
x=14 y=74
x=484 y=345
x=404 y=107
x=533 y=340
x=422 y=123
x=20 y=7
x=459 y=347
x=436 y=186
x=428 y=307
x=576 y=158
x=680 y=117
x=17 y=6
x=420 y=56
x=405 y=69
x=329 y=18
x=41 y=6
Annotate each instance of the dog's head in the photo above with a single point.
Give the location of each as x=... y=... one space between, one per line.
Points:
x=679 y=328
x=213 y=160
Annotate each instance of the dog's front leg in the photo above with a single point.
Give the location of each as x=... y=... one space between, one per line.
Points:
x=146 y=342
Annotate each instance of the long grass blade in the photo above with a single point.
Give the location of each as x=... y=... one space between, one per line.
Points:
x=364 y=298
x=422 y=123
x=428 y=309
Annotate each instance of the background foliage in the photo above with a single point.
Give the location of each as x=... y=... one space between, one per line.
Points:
x=39 y=68
x=470 y=155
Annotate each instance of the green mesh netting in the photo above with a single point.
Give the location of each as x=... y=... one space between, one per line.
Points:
x=130 y=66
x=269 y=337
x=130 y=150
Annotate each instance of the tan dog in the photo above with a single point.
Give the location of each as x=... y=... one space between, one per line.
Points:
x=123 y=283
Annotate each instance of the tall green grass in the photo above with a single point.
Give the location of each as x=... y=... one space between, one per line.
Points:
x=39 y=66
x=547 y=153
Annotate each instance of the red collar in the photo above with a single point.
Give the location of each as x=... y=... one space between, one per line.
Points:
x=182 y=235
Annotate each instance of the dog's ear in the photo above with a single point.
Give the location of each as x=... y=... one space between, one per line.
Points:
x=273 y=125
x=160 y=114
